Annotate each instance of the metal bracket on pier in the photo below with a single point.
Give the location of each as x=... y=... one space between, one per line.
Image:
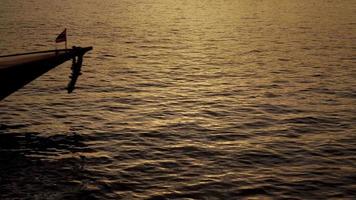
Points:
x=76 y=68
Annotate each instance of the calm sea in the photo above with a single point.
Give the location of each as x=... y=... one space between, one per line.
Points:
x=183 y=99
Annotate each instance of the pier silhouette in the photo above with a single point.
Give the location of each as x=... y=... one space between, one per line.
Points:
x=17 y=70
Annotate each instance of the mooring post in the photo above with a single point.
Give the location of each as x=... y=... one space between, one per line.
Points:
x=76 y=68
x=74 y=61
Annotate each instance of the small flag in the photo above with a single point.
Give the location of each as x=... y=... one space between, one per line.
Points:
x=62 y=37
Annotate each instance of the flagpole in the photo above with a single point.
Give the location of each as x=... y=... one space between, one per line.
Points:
x=62 y=38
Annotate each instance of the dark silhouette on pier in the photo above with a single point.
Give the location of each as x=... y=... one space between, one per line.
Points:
x=17 y=70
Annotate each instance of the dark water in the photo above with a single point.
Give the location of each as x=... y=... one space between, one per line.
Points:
x=199 y=99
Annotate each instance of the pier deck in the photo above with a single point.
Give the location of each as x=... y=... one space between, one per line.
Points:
x=17 y=70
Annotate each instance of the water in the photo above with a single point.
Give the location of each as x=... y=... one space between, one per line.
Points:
x=200 y=99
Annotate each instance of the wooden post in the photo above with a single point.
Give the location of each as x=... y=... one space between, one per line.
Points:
x=76 y=68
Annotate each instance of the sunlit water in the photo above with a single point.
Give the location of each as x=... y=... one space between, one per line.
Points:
x=199 y=99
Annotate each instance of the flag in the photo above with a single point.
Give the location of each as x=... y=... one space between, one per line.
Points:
x=62 y=37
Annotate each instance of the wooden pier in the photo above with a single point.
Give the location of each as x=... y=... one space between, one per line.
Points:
x=17 y=70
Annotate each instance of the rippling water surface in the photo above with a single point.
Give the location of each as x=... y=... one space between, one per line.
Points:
x=199 y=99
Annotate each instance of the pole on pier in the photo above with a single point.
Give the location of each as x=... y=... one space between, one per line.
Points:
x=62 y=37
x=76 y=68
